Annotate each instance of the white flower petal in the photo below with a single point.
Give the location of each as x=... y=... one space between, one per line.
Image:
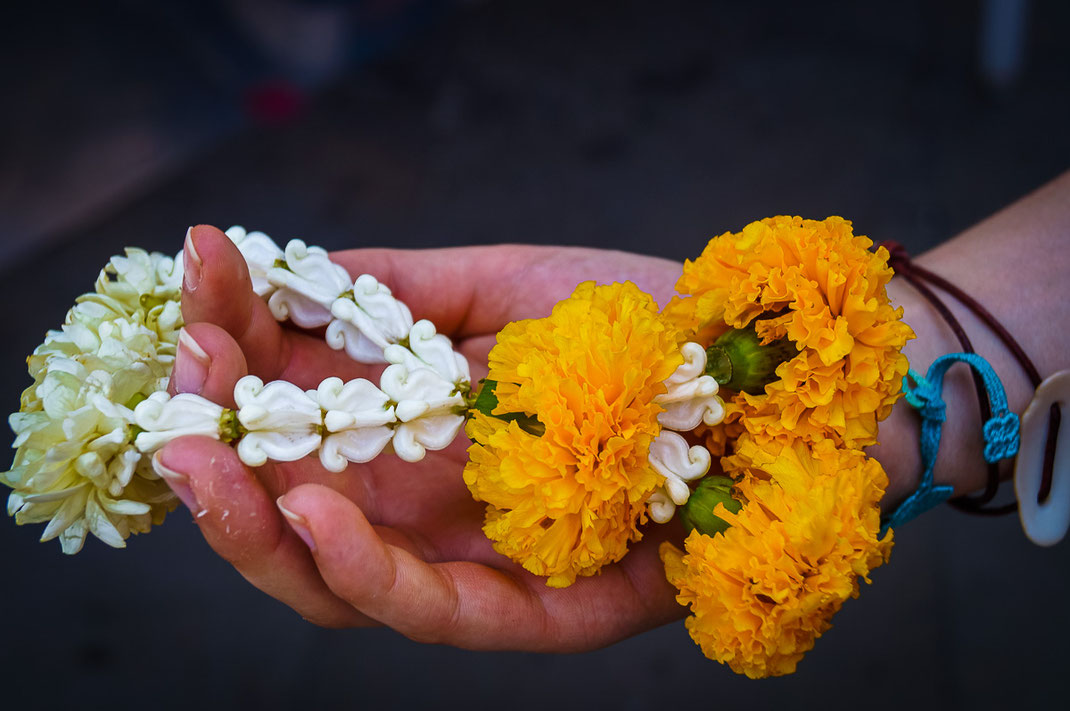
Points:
x=15 y=502
x=421 y=392
x=412 y=439
x=283 y=421
x=260 y=253
x=674 y=459
x=429 y=349
x=671 y=456
x=125 y=507
x=358 y=445
x=278 y=406
x=57 y=495
x=310 y=273
x=73 y=538
x=371 y=311
x=358 y=346
x=72 y=510
x=357 y=403
x=255 y=448
x=303 y=311
x=101 y=526
x=660 y=507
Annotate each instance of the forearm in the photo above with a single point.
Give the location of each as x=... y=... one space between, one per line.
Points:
x=1016 y=263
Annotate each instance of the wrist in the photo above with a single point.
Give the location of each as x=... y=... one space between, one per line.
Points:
x=960 y=462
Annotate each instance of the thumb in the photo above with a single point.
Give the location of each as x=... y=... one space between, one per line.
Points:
x=217 y=289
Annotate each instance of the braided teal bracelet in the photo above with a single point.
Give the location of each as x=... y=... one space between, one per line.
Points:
x=1000 y=431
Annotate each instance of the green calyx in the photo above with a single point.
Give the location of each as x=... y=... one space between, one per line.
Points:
x=230 y=429
x=738 y=360
x=697 y=513
x=486 y=401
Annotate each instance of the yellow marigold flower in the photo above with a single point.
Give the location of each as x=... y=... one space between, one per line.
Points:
x=569 y=500
x=819 y=285
x=765 y=590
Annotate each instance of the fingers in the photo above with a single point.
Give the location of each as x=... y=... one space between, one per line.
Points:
x=458 y=603
x=473 y=291
x=241 y=523
x=463 y=291
x=208 y=363
x=236 y=515
x=216 y=289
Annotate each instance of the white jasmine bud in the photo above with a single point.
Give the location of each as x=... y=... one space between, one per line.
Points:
x=260 y=253
x=164 y=418
x=679 y=463
x=429 y=407
x=428 y=349
x=283 y=422
x=691 y=396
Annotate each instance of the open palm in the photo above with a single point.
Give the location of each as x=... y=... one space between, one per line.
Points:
x=391 y=542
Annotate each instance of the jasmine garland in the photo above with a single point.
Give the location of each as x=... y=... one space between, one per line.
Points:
x=575 y=432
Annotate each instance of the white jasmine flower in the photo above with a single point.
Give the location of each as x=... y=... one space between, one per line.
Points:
x=691 y=396
x=261 y=253
x=429 y=409
x=98 y=405
x=306 y=284
x=282 y=421
x=164 y=418
x=679 y=463
x=76 y=466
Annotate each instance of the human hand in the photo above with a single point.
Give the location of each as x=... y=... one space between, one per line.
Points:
x=390 y=542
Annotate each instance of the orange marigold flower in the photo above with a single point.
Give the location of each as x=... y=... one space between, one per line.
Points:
x=762 y=592
x=566 y=501
x=819 y=285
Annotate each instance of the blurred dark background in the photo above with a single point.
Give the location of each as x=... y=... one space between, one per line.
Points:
x=643 y=126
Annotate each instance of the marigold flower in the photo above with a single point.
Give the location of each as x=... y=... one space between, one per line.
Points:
x=569 y=500
x=762 y=592
x=76 y=465
x=819 y=285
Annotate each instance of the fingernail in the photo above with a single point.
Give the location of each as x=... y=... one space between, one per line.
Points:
x=178 y=482
x=191 y=275
x=191 y=365
x=298 y=524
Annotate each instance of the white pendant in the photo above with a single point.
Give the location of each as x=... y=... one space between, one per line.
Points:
x=1045 y=523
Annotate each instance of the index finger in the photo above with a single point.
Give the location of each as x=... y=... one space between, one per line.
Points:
x=468 y=292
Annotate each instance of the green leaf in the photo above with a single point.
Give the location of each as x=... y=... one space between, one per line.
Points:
x=486 y=401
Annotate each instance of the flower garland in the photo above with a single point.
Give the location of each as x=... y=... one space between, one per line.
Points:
x=575 y=432
x=802 y=338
